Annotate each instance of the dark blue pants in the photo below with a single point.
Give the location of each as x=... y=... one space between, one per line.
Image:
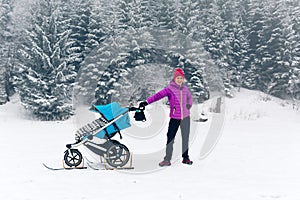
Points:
x=185 y=133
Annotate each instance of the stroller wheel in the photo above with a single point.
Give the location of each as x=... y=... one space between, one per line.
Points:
x=73 y=157
x=117 y=155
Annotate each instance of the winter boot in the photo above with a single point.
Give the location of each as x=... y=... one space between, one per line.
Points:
x=187 y=161
x=164 y=163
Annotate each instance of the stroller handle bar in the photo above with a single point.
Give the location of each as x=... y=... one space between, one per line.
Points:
x=136 y=109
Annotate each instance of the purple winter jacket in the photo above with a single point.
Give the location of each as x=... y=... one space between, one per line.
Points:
x=178 y=98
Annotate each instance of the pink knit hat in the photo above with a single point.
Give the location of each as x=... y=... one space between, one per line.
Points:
x=178 y=72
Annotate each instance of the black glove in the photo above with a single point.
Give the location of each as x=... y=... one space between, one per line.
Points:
x=143 y=104
x=188 y=106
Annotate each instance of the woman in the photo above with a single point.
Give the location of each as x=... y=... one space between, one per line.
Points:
x=180 y=100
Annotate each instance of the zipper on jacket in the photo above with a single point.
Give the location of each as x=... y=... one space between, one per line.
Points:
x=181 y=109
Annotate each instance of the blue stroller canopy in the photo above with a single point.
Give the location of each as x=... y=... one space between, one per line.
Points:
x=110 y=112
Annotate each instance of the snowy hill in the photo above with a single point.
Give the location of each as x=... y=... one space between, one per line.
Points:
x=256 y=158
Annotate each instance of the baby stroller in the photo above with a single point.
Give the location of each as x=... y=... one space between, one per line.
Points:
x=97 y=136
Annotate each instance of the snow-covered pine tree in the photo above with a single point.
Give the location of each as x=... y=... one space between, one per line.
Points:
x=293 y=38
x=197 y=84
x=102 y=59
x=66 y=12
x=6 y=48
x=42 y=76
x=64 y=26
x=140 y=82
x=188 y=20
x=122 y=10
x=163 y=14
x=288 y=47
x=145 y=14
x=235 y=34
x=136 y=13
x=290 y=52
x=103 y=48
x=121 y=52
x=274 y=72
x=295 y=23
x=79 y=25
x=133 y=13
x=239 y=45
x=253 y=20
x=215 y=39
x=104 y=91
x=98 y=27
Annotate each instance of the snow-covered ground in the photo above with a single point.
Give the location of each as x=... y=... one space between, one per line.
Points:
x=256 y=158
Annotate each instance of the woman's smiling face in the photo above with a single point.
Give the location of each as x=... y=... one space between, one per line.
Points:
x=179 y=80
